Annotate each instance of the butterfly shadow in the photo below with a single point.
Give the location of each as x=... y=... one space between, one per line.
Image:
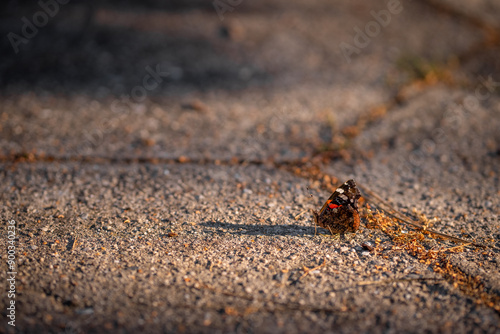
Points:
x=257 y=229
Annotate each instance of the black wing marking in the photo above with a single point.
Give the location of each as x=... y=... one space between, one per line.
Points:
x=341 y=195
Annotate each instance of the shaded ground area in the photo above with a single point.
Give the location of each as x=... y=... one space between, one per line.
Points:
x=156 y=160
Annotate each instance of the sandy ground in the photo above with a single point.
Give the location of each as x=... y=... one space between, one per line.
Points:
x=158 y=165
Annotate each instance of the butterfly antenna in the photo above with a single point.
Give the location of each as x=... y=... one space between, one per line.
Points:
x=309 y=190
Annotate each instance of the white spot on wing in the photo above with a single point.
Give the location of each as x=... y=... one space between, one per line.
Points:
x=339 y=190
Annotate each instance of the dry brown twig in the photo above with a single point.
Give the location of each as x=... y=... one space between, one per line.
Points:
x=307 y=270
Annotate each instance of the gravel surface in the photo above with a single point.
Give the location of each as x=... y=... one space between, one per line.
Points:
x=158 y=238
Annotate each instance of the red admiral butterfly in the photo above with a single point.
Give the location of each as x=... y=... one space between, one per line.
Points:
x=340 y=212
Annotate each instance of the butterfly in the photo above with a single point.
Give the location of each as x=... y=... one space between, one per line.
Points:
x=340 y=212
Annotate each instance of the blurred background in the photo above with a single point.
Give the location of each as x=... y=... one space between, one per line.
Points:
x=293 y=72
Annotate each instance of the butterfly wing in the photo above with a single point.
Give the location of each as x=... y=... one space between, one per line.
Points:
x=346 y=194
x=340 y=212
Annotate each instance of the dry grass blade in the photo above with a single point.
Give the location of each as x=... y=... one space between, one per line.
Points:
x=449 y=248
x=365 y=283
x=286 y=305
x=391 y=211
x=300 y=214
